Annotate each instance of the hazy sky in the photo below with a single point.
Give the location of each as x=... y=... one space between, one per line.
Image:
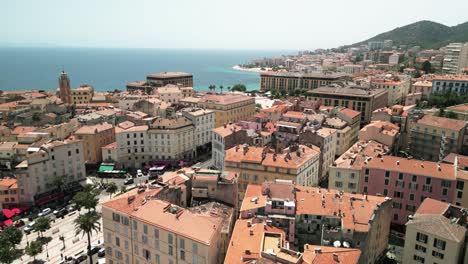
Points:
x=221 y=24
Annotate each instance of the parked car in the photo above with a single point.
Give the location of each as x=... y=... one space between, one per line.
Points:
x=61 y=213
x=101 y=253
x=80 y=256
x=139 y=173
x=45 y=212
x=29 y=228
x=71 y=208
x=128 y=181
x=95 y=249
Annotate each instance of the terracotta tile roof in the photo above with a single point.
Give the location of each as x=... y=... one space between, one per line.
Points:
x=349 y=112
x=462 y=174
x=226 y=131
x=8 y=183
x=355 y=156
x=93 y=129
x=112 y=145
x=22 y=129
x=152 y=211
x=459 y=108
x=224 y=99
x=294 y=114
x=442 y=122
x=431 y=206
x=253 y=191
x=326 y=255
x=450 y=77
x=248 y=238
x=462 y=160
x=357 y=209
x=282 y=160
x=412 y=166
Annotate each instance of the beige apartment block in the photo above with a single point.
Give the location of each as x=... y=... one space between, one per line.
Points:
x=53 y=159
x=436 y=233
x=139 y=228
x=131 y=148
x=255 y=165
x=94 y=138
x=345 y=173
x=82 y=95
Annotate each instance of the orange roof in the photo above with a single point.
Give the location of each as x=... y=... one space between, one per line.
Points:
x=253 y=191
x=411 y=166
x=93 y=129
x=431 y=206
x=152 y=211
x=294 y=114
x=9 y=183
x=357 y=209
x=451 y=77
x=112 y=145
x=224 y=99
x=22 y=129
x=350 y=112
x=254 y=155
x=442 y=122
x=327 y=255
x=248 y=238
x=226 y=131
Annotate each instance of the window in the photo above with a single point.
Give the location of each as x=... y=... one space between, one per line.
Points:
x=444 y=191
x=367 y=171
x=437 y=254
x=411 y=196
x=398 y=194
x=116 y=217
x=366 y=179
x=182 y=254
x=418 y=259
x=156 y=233
x=145 y=229
x=386 y=181
x=169 y=238
x=428 y=181
x=421 y=238
x=365 y=189
x=427 y=188
x=146 y=254
x=415 y=178
x=460 y=185
x=395 y=217
x=411 y=208
x=156 y=244
x=351 y=185
x=387 y=174
x=338 y=174
x=170 y=251
x=420 y=248
x=338 y=184
x=158 y=259
x=182 y=243
x=459 y=194
x=385 y=192
x=440 y=244
x=135 y=225
x=144 y=239
x=400 y=176
x=400 y=184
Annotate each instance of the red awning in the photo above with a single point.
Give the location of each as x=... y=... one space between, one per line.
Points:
x=8 y=213
x=8 y=222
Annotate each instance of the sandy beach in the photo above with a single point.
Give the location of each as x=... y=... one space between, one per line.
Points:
x=259 y=70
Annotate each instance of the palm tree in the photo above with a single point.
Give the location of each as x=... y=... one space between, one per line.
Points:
x=33 y=249
x=86 y=224
x=221 y=87
x=87 y=198
x=111 y=188
x=229 y=88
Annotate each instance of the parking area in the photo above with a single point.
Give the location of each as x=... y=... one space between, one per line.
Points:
x=72 y=245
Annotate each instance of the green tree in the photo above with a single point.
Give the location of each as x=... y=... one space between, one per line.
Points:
x=33 y=249
x=239 y=87
x=111 y=188
x=9 y=238
x=123 y=189
x=36 y=117
x=427 y=67
x=85 y=224
x=212 y=87
x=221 y=87
x=229 y=88
x=42 y=225
x=87 y=198
x=11 y=234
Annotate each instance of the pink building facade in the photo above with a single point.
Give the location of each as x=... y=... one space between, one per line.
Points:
x=407 y=190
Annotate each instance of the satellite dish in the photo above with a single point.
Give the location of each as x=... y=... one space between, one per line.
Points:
x=337 y=244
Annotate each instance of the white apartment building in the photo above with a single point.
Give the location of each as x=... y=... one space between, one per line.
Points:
x=203 y=119
x=131 y=146
x=43 y=164
x=169 y=93
x=172 y=139
x=455 y=58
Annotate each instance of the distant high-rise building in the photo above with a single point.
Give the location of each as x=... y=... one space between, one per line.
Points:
x=387 y=44
x=455 y=58
x=375 y=45
x=64 y=88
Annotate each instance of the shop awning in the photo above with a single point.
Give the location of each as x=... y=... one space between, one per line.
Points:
x=106 y=168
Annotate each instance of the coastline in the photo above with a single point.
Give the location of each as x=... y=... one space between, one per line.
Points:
x=259 y=70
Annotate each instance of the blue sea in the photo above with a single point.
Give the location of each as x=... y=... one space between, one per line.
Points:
x=110 y=69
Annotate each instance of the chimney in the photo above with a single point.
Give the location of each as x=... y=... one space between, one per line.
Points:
x=251 y=232
x=397 y=162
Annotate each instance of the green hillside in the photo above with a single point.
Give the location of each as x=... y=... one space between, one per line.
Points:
x=426 y=34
